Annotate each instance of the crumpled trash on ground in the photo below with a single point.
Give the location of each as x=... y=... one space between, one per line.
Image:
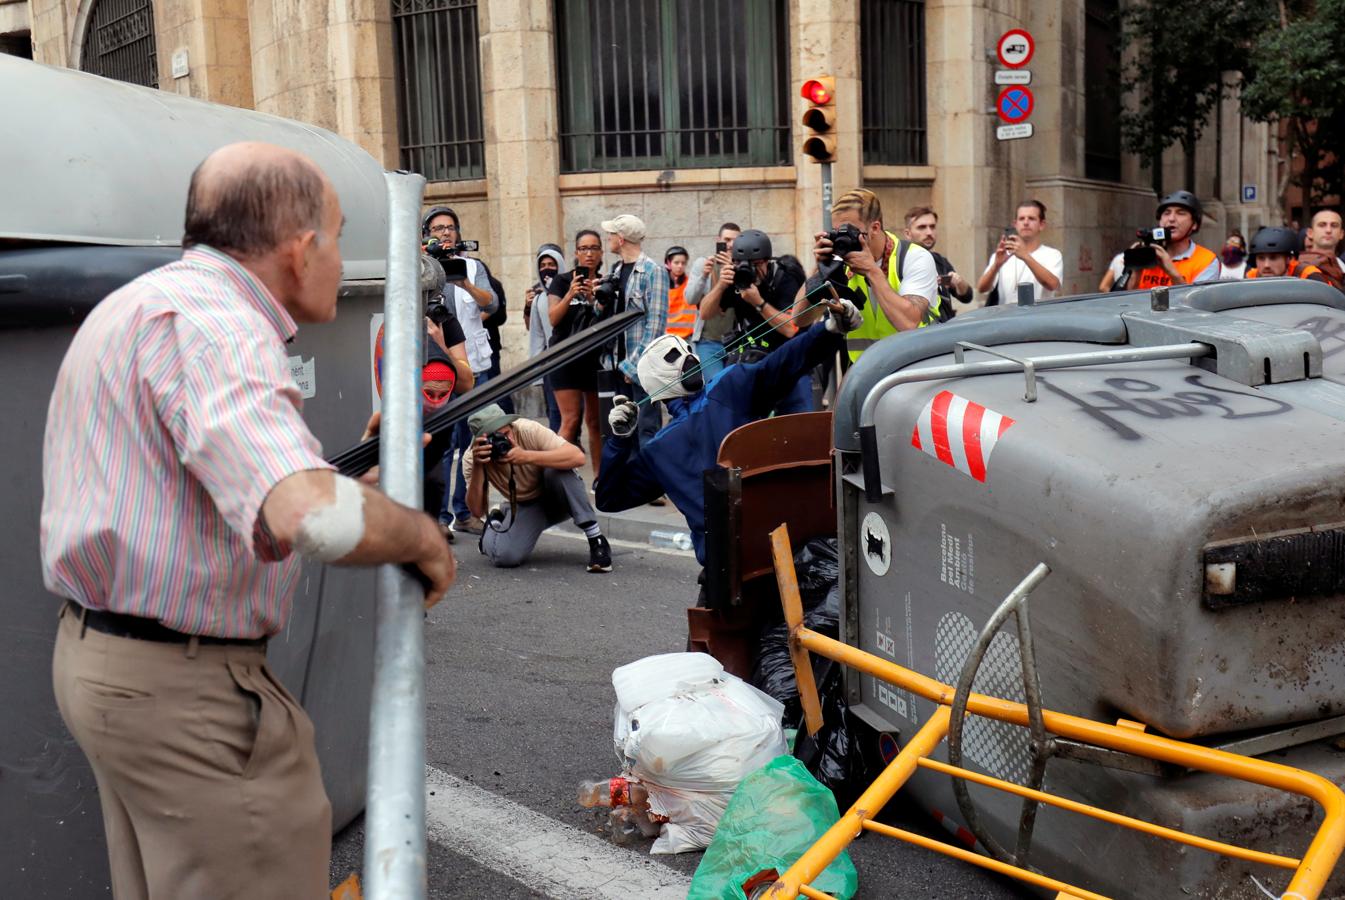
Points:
x=776 y=814
x=690 y=732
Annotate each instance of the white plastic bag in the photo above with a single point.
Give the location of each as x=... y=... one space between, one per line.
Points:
x=692 y=817
x=690 y=732
x=706 y=737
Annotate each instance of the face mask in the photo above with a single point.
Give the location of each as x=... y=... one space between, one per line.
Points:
x=669 y=369
x=1233 y=256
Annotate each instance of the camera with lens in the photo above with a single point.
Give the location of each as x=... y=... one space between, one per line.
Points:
x=744 y=275
x=1155 y=235
x=606 y=292
x=500 y=446
x=437 y=311
x=442 y=251
x=1143 y=256
x=844 y=240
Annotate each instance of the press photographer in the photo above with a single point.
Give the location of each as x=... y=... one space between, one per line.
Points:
x=1168 y=254
x=758 y=290
x=469 y=295
x=535 y=468
x=893 y=281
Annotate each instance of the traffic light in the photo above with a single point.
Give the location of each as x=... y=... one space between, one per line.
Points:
x=819 y=144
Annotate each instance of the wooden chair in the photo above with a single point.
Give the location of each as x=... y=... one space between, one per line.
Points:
x=769 y=472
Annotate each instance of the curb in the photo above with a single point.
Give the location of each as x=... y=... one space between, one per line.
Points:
x=637 y=525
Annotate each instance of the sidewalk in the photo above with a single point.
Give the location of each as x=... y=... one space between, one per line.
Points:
x=636 y=524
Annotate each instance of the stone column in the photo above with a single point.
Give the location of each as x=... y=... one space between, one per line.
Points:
x=518 y=79
x=329 y=64
x=218 y=44
x=824 y=40
x=976 y=178
x=51 y=22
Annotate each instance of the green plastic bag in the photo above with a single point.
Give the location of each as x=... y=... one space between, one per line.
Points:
x=775 y=815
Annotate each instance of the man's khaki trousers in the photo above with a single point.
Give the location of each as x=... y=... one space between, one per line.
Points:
x=205 y=765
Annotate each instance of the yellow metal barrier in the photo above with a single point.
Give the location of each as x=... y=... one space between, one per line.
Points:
x=1310 y=872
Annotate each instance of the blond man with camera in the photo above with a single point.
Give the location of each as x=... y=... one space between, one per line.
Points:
x=536 y=470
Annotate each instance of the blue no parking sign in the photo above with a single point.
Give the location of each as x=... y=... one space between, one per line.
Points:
x=1014 y=104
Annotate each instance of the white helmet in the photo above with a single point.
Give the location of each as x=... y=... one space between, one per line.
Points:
x=669 y=369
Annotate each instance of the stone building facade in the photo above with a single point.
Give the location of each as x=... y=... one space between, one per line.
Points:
x=345 y=65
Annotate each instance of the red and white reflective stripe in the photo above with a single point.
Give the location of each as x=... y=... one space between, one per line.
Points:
x=961 y=834
x=959 y=433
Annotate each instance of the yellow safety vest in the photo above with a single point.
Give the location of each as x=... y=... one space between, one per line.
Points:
x=876 y=326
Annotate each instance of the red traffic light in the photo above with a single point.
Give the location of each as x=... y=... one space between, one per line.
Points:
x=815 y=91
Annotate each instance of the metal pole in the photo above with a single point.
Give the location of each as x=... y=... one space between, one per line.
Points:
x=394 y=845
x=826 y=196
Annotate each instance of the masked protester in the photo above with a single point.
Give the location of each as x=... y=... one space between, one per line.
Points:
x=1233 y=257
x=701 y=416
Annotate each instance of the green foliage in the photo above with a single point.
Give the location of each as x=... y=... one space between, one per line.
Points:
x=1288 y=59
x=1296 y=75
x=1175 y=64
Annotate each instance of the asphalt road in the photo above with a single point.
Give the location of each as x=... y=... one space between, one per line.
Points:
x=521 y=702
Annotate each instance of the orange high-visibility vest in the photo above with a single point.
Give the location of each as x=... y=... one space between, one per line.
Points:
x=1192 y=266
x=681 y=315
x=1296 y=270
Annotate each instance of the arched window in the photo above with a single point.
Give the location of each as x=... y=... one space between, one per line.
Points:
x=119 y=42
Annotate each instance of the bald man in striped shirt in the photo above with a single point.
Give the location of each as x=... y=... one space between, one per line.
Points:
x=181 y=486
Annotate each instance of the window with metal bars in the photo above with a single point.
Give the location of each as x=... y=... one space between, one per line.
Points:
x=439 y=123
x=892 y=74
x=672 y=84
x=119 y=42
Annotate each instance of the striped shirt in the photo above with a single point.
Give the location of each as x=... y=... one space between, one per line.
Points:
x=173 y=415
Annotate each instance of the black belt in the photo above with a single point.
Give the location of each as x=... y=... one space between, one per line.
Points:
x=142 y=629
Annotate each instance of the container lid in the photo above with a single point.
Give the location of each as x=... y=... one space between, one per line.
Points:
x=113 y=166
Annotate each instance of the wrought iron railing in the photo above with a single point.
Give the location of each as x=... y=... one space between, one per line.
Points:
x=119 y=42
x=892 y=75
x=655 y=84
x=439 y=120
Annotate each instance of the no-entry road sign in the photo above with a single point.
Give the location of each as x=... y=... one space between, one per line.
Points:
x=1014 y=48
x=1014 y=104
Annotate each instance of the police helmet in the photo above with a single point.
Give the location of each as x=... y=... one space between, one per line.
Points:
x=1184 y=199
x=433 y=212
x=752 y=244
x=1274 y=239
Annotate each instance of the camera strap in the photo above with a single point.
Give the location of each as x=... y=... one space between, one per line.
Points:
x=513 y=505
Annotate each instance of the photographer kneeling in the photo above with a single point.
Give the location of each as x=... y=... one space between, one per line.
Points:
x=535 y=468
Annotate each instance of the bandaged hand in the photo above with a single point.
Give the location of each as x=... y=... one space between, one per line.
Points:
x=623 y=416
x=843 y=317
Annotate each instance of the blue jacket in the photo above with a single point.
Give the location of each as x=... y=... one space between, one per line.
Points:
x=674 y=460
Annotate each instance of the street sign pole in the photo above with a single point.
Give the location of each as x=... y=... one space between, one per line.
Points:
x=826 y=196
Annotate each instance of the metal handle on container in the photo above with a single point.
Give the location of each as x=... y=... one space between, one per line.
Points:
x=868 y=458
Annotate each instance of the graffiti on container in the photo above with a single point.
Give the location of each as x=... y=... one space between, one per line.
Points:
x=1137 y=397
x=1329 y=332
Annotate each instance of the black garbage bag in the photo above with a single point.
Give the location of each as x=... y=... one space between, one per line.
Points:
x=817 y=565
x=818 y=569
x=833 y=755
